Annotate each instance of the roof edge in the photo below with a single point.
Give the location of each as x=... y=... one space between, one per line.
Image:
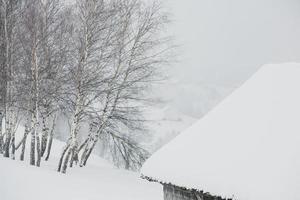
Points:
x=205 y=194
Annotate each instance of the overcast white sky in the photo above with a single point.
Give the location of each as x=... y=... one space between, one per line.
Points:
x=223 y=42
x=227 y=40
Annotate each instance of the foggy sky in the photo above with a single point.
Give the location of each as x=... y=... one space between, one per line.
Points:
x=225 y=41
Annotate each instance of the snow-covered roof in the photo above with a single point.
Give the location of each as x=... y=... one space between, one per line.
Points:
x=248 y=147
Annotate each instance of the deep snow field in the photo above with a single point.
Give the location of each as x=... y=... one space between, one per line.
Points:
x=98 y=181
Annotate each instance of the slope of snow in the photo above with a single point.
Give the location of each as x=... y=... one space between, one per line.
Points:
x=247 y=148
x=195 y=99
x=164 y=124
x=99 y=180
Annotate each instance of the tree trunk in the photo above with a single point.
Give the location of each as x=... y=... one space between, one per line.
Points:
x=49 y=147
x=32 y=148
x=44 y=137
x=22 y=155
x=50 y=140
x=38 y=151
x=83 y=145
x=71 y=158
x=13 y=147
x=35 y=104
x=83 y=156
x=1 y=133
x=26 y=132
x=7 y=74
x=88 y=153
x=44 y=144
x=66 y=148
x=7 y=145
x=66 y=161
x=1 y=143
x=72 y=155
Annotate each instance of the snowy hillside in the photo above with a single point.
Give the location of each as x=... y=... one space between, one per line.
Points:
x=182 y=105
x=164 y=124
x=194 y=99
x=99 y=180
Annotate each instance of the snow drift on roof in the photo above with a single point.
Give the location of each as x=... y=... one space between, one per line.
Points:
x=248 y=147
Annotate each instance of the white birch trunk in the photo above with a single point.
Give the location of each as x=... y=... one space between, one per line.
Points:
x=26 y=132
x=44 y=134
x=50 y=140
x=1 y=134
x=35 y=137
x=70 y=149
x=7 y=88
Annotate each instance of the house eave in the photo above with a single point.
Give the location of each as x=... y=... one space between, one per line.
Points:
x=205 y=194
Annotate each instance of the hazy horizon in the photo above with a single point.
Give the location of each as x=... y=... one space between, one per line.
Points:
x=222 y=43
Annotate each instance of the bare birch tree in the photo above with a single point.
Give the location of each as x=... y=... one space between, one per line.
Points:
x=43 y=33
x=139 y=52
x=92 y=35
x=93 y=61
x=8 y=57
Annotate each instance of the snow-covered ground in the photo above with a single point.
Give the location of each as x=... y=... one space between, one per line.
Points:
x=99 y=180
